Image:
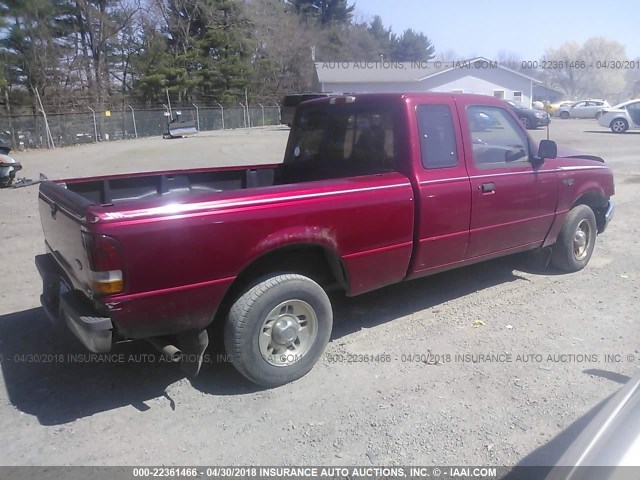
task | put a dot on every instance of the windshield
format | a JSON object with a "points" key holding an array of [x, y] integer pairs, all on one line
{"points": [[621, 106]]}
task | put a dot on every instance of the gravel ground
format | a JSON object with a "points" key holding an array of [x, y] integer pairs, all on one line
{"points": [[557, 329]]}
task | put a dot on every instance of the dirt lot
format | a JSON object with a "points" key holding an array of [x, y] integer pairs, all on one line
{"points": [[72, 412]]}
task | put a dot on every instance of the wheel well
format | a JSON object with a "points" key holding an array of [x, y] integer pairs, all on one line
{"points": [[597, 202], [313, 261]]}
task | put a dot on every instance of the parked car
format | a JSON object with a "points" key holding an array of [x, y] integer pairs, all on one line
{"points": [[530, 118], [621, 117], [291, 102], [610, 441], [583, 109], [374, 189], [552, 108], [5, 140], [8, 165]]}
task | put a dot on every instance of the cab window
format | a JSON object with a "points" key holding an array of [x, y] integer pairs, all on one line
{"points": [[497, 142], [437, 136]]}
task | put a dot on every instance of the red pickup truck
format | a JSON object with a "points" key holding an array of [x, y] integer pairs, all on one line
{"points": [[374, 189]]}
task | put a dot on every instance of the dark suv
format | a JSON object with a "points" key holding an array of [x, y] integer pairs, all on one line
{"points": [[530, 118]]}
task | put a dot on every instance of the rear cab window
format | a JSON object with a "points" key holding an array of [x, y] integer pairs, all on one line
{"points": [[332, 141]]}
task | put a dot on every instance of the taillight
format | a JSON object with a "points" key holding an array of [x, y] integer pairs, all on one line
{"points": [[105, 262]]}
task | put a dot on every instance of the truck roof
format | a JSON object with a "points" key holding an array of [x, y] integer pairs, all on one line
{"points": [[399, 96]]}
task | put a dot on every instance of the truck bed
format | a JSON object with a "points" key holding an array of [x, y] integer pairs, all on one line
{"points": [[124, 188]]}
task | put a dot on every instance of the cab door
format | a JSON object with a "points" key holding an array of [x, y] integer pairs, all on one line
{"points": [[443, 208], [512, 203]]}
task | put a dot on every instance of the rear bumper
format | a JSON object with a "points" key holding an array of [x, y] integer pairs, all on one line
{"points": [[65, 305]]}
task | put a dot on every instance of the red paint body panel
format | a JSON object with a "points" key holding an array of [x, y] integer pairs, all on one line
{"points": [[183, 244], [181, 254], [443, 206], [169, 311], [223, 235]]}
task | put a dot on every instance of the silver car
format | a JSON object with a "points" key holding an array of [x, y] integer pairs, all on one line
{"points": [[583, 109], [621, 117], [609, 445]]}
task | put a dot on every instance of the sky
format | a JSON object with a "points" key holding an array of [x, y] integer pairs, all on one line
{"points": [[527, 28]]}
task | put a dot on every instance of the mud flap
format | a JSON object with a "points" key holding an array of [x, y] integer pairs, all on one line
{"points": [[192, 345]]}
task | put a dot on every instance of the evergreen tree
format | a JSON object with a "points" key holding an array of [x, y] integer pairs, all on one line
{"points": [[382, 36], [209, 45], [28, 45], [327, 12], [412, 46]]}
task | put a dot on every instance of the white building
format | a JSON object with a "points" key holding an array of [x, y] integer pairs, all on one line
{"points": [[478, 75]]}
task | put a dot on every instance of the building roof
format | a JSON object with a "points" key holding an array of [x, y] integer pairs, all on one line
{"points": [[386, 71], [544, 88]]}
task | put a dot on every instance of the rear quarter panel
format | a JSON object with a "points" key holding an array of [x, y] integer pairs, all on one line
{"points": [[181, 258]]}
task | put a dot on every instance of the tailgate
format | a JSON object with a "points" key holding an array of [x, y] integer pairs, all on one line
{"points": [[62, 214]]}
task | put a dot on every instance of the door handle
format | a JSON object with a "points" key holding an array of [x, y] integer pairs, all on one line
{"points": [[487, 187]]}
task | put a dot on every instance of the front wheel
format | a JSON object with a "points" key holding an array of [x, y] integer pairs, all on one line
{"points": [[278, 329], [564, 115], [576, 241]]}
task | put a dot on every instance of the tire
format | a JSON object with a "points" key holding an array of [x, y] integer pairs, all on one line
{"points": [[564, 115], [619, 125], [598, 115], [576, 240], [298, 304]]}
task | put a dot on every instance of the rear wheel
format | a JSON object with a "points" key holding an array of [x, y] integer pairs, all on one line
{"points": [[277, 330], [564, 115], [619, 125], [576, 241]]}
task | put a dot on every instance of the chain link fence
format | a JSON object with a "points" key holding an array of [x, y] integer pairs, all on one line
{"points": [[30, 131]]}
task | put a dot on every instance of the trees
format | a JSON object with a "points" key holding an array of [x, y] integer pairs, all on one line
{"points": [[383, 36], [29, 46], [585, 72], [327, 12], [281, 56], [412, 46], [98, 23], [103, 53], [202, 50]]}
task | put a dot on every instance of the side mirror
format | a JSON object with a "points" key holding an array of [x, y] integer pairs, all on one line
{"points": [[547, 149]]}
